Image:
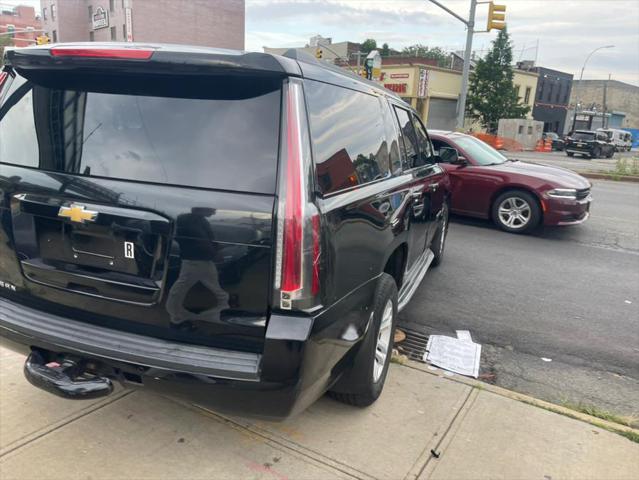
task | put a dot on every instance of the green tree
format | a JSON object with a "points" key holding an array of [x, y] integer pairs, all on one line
{"points": [[368, 45], [491, 93], [422, 51], [5, 41], [385, 50]]}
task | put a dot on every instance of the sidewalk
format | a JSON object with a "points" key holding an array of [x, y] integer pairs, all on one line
{"points": [[476, 433]]}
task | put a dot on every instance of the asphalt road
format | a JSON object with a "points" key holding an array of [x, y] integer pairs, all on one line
{"points": [[567, 294]]}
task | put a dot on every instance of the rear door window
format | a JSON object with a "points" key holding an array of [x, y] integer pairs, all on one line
{"points": [[214, 134], [426, 156], [409, 138], [350, 146]]}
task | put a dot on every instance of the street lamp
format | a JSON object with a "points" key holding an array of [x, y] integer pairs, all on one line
{"points": [[581, 75]]}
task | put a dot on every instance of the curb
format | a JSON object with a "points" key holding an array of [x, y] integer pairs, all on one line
{"points": [[520, 397], [610, 176]]}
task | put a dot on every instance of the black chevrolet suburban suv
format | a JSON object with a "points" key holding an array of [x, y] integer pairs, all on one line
{"points": [[590, 144], [237, 228]]}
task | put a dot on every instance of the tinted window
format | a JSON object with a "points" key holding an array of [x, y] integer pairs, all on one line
{"points": [[409, 139], [447, 153], [390, 125], [425, 148], [583, 136], [223, 136], [349, 137]]}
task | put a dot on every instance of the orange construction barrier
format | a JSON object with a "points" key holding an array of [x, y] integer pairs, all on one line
{"points": [[548, 145], [499, 143], [540, 146]]}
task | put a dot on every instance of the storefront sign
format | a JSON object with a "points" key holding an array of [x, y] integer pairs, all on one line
{"points": [[100, 18], [129, 24], [422, 88], [399, 75], [397, 87]]}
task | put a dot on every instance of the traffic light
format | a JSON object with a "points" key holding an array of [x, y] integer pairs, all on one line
{"points": [[42, 39], [496, 17], [318, 53]]}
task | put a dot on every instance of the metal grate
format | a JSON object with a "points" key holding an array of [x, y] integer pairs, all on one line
{"points": [[414, 346]]}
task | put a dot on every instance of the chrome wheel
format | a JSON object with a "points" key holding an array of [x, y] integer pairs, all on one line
{"points": [[514, 212], [383, 341]]}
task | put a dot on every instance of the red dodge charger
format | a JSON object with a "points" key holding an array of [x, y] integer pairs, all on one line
{"points": [[516, 195]]}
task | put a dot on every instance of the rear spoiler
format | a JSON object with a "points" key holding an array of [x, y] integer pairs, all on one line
{"points": [[146, 58]]}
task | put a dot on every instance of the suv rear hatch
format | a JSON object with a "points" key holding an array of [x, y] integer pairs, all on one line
{"points": [[137, 191]]}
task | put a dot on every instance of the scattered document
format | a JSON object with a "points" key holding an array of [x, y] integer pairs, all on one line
{"points": [[460, 355]]}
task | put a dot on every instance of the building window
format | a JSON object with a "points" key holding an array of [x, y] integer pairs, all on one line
{"points": [[517, 87], [55, 33], [530, 130], [53, 11], [11, 30], [520, 130], [124, 31], [44, 14], [91, 37], [527, 95], [113, 34], [540, 90], [111, 5], [90, 13]]}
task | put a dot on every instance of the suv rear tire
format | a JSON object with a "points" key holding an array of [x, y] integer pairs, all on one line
{"points": [[364, 383], [516, 211]]}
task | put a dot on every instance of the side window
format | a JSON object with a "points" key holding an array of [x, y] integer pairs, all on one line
{"points": [[390, 126], [349, 137], [409, 140], [447, 153], [425, 148]]}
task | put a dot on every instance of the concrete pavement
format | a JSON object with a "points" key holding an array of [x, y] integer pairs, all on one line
{"points": [[474, 432]]}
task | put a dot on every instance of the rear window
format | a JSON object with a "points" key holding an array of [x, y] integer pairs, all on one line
{"points": [[583, 136], [218, 133], [349, 137]]}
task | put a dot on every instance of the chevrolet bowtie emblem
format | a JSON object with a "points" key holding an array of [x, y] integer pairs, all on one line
{"points": [[77, 213]]}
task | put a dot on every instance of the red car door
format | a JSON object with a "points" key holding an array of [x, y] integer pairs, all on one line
{"points": [[472, 185]]}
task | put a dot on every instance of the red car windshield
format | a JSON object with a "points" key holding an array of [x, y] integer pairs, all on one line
{"points": [[479, 151]]}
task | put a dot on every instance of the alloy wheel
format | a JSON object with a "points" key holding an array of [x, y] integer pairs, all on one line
{"points": [[383, 341], [514, 212]]}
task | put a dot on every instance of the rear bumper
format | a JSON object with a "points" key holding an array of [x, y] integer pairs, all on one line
{"points": [[302, 356]]}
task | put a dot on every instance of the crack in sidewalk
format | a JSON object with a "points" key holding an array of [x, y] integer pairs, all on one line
{"points": [[38, 434]]}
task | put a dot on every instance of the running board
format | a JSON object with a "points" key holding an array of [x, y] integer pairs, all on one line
{"points": [[414, 278]]}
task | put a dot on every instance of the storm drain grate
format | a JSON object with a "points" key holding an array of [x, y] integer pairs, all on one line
{"points": [[414, 346]]}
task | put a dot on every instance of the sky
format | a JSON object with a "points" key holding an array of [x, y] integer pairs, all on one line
{"points": [[567, 30]]}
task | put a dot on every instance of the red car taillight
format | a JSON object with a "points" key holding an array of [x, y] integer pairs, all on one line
{"points": [[297, 281]]}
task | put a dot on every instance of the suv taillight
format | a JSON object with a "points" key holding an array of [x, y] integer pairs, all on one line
{"points": [[297, 269], [3, 79]]}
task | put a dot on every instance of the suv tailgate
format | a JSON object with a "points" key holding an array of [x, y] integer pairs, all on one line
{"points": [[142, 203]]}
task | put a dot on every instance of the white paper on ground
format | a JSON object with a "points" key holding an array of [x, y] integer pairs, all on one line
{"points": [[464, 335], [453, 354]]}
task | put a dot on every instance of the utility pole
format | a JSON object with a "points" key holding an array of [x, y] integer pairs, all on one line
{"points": [[578, 89], [470, 26], [461, 106], [604, 122]]}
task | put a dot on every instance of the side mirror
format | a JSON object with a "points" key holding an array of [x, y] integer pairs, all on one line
{"points": [[461, 161]]}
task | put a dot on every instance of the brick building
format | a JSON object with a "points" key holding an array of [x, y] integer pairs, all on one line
{"points": [[213, 23], [23, 21]]}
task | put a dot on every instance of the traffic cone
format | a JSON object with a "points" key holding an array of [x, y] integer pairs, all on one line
{"points": [[548, 145]]}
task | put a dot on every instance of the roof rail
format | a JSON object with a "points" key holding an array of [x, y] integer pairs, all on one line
{"points": [[301, 56]]}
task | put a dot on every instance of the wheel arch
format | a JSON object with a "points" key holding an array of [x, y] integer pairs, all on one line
{"points": [[514, 187], [395, 264]]}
